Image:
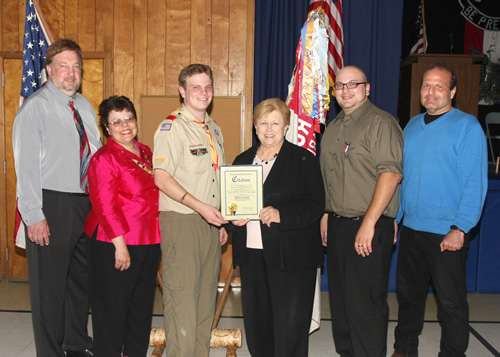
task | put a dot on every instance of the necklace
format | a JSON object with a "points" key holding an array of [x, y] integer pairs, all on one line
{"points": [[266, 161]]}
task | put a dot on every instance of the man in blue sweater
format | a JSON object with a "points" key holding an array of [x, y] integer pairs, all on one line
{"points": [[445, 166]]}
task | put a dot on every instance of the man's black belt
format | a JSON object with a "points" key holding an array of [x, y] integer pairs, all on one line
{"points": [[335, 215], [342, 217], [79, 194]]}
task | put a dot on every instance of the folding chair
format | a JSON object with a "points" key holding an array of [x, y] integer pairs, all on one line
{"points": [[492, 118]]}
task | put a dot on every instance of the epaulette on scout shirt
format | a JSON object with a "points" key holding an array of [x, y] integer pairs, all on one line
{"points": [[168, 125]]}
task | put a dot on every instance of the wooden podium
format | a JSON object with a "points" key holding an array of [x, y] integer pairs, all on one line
{"points": [[467, 69]]}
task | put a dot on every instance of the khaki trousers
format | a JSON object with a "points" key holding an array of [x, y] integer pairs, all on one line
{"points": [[190, 263]]}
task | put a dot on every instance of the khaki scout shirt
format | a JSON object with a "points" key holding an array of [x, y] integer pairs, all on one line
{"points": [[182, 149], [355, 150]]}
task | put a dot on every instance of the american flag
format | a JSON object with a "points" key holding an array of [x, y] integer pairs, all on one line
{"points": [[334, 26], [420, 44], [35, 44]]}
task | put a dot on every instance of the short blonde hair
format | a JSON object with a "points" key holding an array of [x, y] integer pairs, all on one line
{"points": [[270, 105]]}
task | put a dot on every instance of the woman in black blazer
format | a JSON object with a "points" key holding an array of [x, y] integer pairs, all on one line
{"points": [[279, 254]]}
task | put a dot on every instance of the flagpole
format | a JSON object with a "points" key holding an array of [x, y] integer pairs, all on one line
{"points": [[42, 20], [423, 24]]}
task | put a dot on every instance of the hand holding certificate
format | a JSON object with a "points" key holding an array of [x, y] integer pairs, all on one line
{"points": [[241, 191]]}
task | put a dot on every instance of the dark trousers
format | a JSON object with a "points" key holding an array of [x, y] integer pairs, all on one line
{"points": [[277, 308], [122, 301], [358, 287], [420, 260], [58, 277]]}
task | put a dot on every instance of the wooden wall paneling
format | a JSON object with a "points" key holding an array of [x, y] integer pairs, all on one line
{"points": [[69, 20], [17, 266], [108, 74], [123, 59], [87, 24], [10, 28], [156, 43], [1, 32], [104, 20], [178, 47], [12, 69], [140, 50], [3, 188], [238, 45], [105, 60], [220, 48], [240, 38], [104, 40], [92, 81], [201, 31], [20, 24], [55, 13]]}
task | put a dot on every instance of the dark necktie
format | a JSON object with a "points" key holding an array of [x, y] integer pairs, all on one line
{"points": [[84, 148]]}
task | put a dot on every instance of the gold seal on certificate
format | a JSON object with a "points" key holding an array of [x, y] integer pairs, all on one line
{"points": [[241, 191]]}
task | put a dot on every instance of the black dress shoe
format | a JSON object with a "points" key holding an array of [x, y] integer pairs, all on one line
{"points": [[397, 354], [83, 353]]}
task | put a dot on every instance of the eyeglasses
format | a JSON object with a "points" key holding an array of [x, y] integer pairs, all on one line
{"points": [[349, 85], [120, 122]]}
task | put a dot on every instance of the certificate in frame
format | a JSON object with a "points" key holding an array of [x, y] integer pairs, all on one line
{"points": [[241, 191]]}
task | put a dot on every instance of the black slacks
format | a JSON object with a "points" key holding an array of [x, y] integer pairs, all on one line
{"points": [[420, 260], [58, 275], [358, 287], [122, 301], [277, 308]]}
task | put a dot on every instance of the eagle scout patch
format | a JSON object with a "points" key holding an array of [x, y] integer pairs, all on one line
{"points": [[166, 127]]}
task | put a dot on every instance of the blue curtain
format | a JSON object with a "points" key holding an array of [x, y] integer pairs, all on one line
{"points": [[372, 41], [277, 33]]}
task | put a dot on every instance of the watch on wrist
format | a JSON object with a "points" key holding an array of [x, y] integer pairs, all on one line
{"points": [[455, 228]]}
